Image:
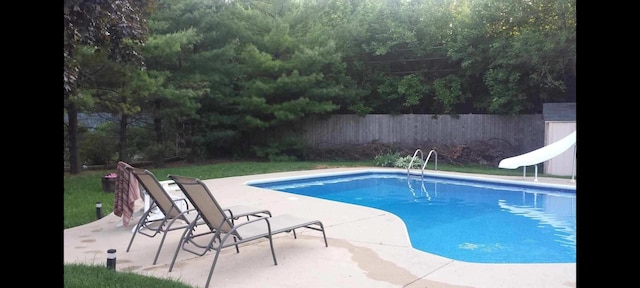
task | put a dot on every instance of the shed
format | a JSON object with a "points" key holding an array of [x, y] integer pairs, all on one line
{"points": [[559, 121]]}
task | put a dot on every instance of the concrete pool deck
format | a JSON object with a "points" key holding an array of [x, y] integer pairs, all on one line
{"points": [[367, 247]]}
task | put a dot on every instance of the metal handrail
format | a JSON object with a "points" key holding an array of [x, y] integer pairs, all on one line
{"points": [[423, 188], [414, 158], [427, 161]]}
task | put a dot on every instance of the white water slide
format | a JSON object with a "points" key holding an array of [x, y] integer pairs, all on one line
{"points": [[540, 155]]}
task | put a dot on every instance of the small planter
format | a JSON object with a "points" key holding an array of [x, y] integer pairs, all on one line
{"points": [[109, 182]]}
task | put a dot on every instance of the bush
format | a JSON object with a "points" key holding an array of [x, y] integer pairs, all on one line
{"points": [[99, 147], [388, 159], [403, 162], [393, 159], [281, 150]]}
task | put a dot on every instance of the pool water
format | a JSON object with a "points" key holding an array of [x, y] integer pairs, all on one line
{"points": [[463, 219]]}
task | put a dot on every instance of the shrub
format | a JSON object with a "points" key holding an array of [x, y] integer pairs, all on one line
{"points": [[386, 160], [98, 147], [403, 162], [281, 150]]}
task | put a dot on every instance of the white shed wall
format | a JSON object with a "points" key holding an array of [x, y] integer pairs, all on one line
{"points": [[563, 164]]}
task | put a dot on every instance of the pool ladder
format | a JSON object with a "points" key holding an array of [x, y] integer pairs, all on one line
{"points": [[424, 189], [425, 161]]}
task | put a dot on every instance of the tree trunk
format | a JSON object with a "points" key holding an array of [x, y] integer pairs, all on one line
{"points": [[122, 135], [74, 163], [157, 127]]}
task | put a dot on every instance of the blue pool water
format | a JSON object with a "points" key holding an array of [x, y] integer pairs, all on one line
{"points": [[471, 220]]}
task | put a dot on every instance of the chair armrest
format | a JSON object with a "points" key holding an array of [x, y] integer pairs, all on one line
{"points": [[186, 202]]}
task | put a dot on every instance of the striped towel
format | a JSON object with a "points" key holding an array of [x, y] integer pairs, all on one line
{"points": [[126, 193]]}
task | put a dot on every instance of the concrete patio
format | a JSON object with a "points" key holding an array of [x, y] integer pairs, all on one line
{"points": [[367, 248]]}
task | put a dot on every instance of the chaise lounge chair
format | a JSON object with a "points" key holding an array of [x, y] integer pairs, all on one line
{"points": [[221, 227], [174, 218]]}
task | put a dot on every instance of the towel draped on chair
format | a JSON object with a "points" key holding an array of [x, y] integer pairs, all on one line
{"points": [[127, 191]]}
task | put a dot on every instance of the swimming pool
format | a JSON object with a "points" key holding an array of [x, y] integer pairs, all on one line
{"points": [[466, 219]]}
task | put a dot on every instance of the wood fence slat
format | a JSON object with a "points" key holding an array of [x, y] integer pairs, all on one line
{"points": [[524, 132]]}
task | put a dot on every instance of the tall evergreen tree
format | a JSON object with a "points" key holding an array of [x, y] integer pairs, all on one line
{"points": [[116, 26]]}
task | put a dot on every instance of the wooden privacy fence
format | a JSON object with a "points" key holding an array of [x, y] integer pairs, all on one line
{"points": [[524, 132]]}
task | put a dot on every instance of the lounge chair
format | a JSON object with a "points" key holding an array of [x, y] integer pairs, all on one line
{"points": [[174, 218], [221, 227]]}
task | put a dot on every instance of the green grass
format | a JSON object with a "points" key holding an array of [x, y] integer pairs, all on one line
{"points": [[82, 191], [88, 276]]}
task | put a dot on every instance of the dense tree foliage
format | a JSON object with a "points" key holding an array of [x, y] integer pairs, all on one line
{"points": [[117, 27], [524, 54], [223, 78]]}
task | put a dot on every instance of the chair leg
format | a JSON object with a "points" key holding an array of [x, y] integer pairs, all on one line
{"points": [[324, 235], [236, 240], [213, 266], [273, 252], [134, 235], [182, 240], [164, 235], [139, 225]]}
